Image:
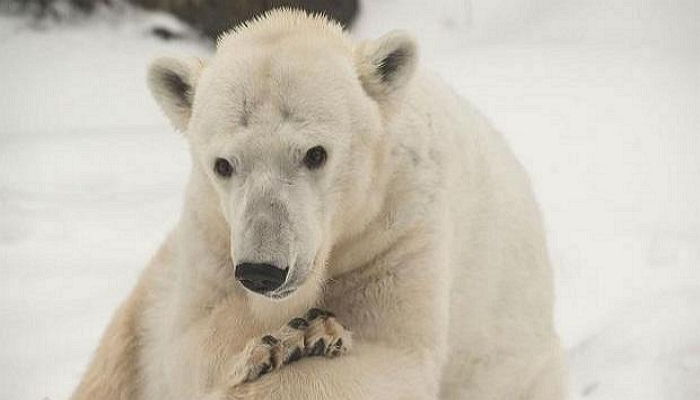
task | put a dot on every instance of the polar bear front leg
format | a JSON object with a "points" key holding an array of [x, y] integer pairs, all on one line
{"points": [[368, 372], [371, 369], [318, 333]]}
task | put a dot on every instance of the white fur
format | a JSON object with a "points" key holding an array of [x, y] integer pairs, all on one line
{"points": [[420, 233]]}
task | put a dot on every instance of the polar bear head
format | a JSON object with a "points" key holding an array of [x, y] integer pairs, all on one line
{"points": [[287, 124]]}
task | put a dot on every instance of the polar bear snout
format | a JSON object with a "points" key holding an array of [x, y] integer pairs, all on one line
{"points": [[271, 255], [260, 278]]}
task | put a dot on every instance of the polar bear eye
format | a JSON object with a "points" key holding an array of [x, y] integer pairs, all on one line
{"points": [[223, 168], [315, 157]]}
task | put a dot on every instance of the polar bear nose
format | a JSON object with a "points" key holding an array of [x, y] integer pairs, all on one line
{"points": [[260, 278]]}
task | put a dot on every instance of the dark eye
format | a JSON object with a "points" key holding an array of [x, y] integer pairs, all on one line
{"points": [[223, 168], [315, 157]]}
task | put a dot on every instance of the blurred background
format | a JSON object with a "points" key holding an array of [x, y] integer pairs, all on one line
{"points": [[598, 98]]}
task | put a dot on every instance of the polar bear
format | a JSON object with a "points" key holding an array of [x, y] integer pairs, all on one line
{"points": [[352, 229]]}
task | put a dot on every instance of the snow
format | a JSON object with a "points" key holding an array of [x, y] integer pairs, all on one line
{"points": [[599, 99]]}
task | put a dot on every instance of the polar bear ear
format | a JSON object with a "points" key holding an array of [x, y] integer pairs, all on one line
{"points": [[172, 82], [386, 65]]}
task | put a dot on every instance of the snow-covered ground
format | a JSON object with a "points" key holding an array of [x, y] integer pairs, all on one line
{"points": [[600, 100]]}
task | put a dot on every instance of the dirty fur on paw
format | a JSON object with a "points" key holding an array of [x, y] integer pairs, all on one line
{"points": [[325, 336], [260, 358], [317, 334]]}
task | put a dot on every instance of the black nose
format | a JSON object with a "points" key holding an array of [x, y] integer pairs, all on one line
{"points": [[260, 278]]}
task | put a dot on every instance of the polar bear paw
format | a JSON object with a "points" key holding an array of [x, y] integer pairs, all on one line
{"points": [[317, 334]]}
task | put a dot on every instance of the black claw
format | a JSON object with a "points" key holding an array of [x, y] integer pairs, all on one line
{"points": [[295, 356], [270, 340], [314, 313], [273, 358], [318, 348], [298, 323], [265, 369], [317, 312]]}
